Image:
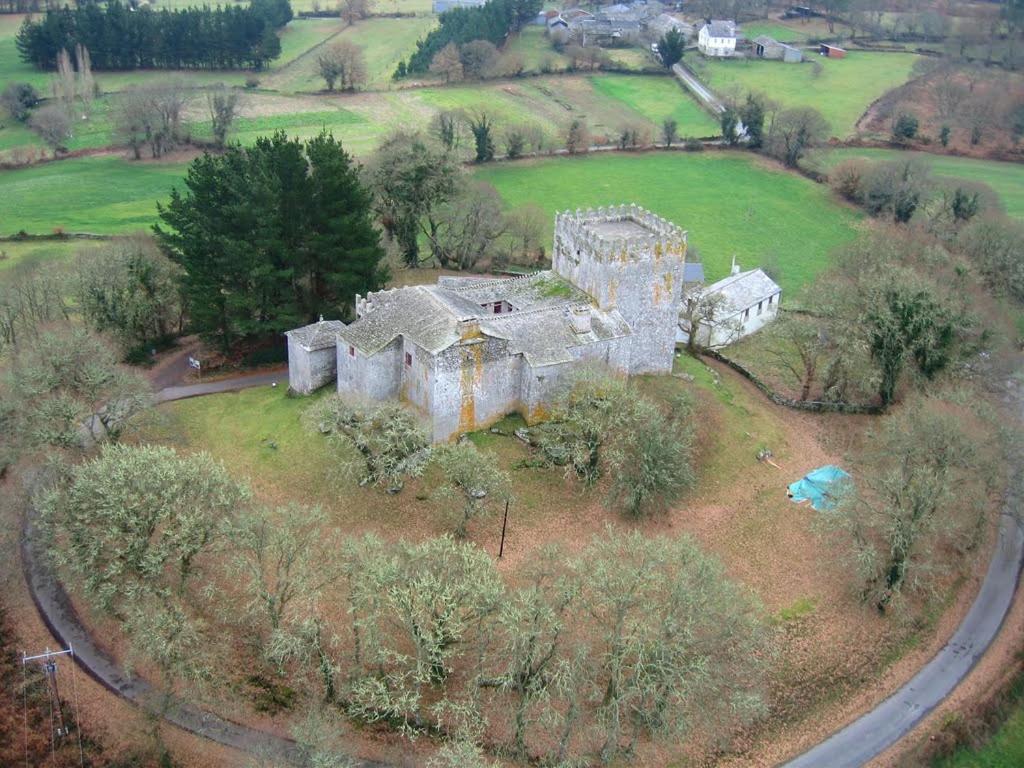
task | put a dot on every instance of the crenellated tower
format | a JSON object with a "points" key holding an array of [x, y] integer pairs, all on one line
{"points": [[629, 259]]}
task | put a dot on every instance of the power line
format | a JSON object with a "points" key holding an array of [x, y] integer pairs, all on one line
{"points": [[47, 662]]}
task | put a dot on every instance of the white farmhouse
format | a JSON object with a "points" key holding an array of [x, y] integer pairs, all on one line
{"points": [[717, 38], [730, 309]]}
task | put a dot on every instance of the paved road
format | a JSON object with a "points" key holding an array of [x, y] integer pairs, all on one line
{"points": [[201, 388], [873, 733], [698, 89], [855, 745]]}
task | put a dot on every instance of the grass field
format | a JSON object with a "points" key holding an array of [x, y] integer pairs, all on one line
{"points": [[94, 194], [533, 45], [841, 92], [1005, 179], [731, 204], [781, 32], [31, 254], [384, 42], [654, 97], [1004, 750]]}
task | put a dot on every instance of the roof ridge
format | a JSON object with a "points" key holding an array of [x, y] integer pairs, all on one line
{"points": [[486, 282], [536, 310]]}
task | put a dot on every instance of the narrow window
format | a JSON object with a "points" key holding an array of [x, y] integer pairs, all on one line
{"points": [[408, 358], [770, 300], [759, 307], [351, 351], [497, 308], [746, 313]]}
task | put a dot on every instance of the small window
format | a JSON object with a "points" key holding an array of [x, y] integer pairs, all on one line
{"points": [[746, 314], [408, 358], [497, 308], [770, 298], [759, 307], [351, 351]]}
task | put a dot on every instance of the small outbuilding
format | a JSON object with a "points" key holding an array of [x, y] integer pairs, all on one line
{"points": [[831, 51], [734, 307], [312, 356], [769, 48]]}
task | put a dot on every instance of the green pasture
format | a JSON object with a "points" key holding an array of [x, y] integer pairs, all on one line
{"points": [[90, 194], [533, 45], [29, 254], [842, 91], [384, 42], [731, 204], [781, 32], [1004, 750], [657, 98], [1005, 179]]}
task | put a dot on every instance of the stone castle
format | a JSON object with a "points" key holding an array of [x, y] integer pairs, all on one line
{"points": [[468, 351]]}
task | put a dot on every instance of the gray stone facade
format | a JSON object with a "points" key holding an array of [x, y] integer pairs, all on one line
{"points": [[468, 351]]}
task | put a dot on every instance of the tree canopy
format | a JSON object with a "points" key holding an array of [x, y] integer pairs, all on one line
{"points": [[121, 37], [270, 237]]}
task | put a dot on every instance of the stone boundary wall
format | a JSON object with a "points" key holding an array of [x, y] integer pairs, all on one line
{"points": [[812, 406]]}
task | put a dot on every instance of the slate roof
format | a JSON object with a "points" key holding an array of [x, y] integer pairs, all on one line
{"points": [[539, 327], [545, 336], [721, 28], [319, 335], [693, 273], [540, 289], [411, 312], [743, 290]]}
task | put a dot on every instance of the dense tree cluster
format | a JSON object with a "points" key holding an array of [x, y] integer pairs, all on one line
{"points": [[120, 37], [491, 22], [582, 657], [270, 237]]}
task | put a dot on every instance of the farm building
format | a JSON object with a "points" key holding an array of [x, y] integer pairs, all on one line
{"points": [[769, 48], [656, 27], [831, 51], [467, 351], [732, 308], [717, 38], [440, 6], [558, 30]]}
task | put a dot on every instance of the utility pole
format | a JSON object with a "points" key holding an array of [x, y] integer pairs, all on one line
{"points": [[59, 729], [504, 524]]}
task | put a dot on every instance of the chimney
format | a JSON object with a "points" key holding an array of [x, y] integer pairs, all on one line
{"points": [[579, 318], [735, 267]]}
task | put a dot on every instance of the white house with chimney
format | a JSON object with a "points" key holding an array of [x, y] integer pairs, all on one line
{"points": [[717, 38], [734, 307]]}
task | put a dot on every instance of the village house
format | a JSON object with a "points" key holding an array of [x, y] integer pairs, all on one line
{"points": [[717, 38], [732, 308], [467, 351]]}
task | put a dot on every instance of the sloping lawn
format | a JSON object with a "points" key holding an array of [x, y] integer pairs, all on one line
{"points": [[1005, 179], [93, 194], [658, 98], [842, 91], [731, 204]]}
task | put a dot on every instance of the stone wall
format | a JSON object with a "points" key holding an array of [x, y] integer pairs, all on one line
{"points": [[641, 275], [377, 376], [475, 383], [308, 370]]}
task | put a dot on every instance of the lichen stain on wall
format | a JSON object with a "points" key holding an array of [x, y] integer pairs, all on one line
{"points": [[471, 374]]}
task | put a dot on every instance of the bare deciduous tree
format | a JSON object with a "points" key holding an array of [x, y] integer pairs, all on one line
{"points": [[223, 105], [53, 126], [448, 62], [343, 63]]}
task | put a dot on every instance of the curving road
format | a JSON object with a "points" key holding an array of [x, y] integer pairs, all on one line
{"points": [[856, 744], [873, 733]]}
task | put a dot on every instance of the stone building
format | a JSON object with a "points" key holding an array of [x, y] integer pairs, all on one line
{"points": [[467, 351], [734, 307], [717, 38], [765, 47]]}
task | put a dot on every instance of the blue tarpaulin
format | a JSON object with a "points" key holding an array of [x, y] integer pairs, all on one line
{"points": [[820, 486]]}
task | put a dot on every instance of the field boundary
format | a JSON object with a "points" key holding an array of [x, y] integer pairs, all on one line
{"points": [[811, 406]]}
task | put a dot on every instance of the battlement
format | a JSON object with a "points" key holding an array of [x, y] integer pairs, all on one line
{"points": [[618, 233]]}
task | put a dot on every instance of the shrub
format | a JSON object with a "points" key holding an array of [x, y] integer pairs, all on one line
{"points": [[905, 127]]}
